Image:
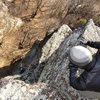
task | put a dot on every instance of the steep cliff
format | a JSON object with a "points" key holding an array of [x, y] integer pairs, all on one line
{"points": [[46, 77], [45, 61]]}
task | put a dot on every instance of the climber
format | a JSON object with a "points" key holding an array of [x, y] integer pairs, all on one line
{"points": [[80, 57]]}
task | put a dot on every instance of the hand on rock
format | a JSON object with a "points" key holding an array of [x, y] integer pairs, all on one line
{"points": [[83, 41]]}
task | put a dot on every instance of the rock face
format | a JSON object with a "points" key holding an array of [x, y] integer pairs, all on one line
{"points": [[21, 90], [94, 33], [82, 10], [24, 21], [50, 63], [21, 23], [8, 25]]}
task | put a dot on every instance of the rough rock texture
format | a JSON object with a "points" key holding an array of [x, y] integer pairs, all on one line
{"points": [[24, 21], [20, 25], [53, 81], [20, 90], [94, 33], [8, 26]]}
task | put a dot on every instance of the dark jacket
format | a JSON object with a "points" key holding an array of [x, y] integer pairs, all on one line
{"points": [[90, 78]]}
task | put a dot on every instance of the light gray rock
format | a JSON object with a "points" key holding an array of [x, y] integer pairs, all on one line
{"points": [[91, 33], [19, 90], [7, 23]]}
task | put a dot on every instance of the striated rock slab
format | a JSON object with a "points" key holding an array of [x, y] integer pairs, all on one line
{"points": [[54, 42]]}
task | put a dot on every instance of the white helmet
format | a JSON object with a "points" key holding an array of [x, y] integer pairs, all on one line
{"points": [[80, 56]]}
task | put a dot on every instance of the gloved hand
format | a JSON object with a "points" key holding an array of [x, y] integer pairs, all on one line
{"points": [[83, 41]]}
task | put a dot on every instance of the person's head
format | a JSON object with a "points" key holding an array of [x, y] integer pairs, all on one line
{"points": [[80, 56]]}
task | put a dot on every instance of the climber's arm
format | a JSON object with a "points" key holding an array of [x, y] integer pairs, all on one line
{"points": [[77, 83], [93, 44], [90, 43]]}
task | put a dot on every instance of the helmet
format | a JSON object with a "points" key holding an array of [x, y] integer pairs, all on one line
{"points": [[80, 56]]}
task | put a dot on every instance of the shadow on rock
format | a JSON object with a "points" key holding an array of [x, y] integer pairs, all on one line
{"points": [[29, 67]]}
